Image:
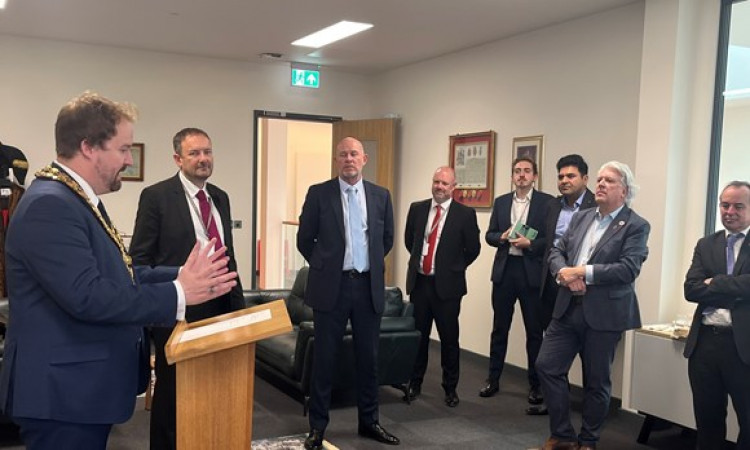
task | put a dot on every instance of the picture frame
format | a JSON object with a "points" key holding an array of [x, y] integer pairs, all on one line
{"points": [[472, 156], [533, 148], [135, 172]]}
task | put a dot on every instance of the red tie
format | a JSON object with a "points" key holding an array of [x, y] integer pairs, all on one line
{"points": [[427, 262], [208, 223]]}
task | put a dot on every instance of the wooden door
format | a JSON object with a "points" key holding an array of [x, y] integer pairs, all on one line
{"points": [[378, 136]]}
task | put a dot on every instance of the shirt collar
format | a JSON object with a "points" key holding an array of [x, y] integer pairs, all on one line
{"points": [[611, 215], [528, 196], [744, 232], [190, 189], [577, 204], [445, 205], [87, 189], [343, 185]]}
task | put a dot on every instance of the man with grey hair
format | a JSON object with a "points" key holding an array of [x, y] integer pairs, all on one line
{"points": [[595, 263], [718, 346]]}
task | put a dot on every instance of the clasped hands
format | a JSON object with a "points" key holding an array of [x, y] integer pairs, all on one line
{"points": [[205, 275], [573, 279]]}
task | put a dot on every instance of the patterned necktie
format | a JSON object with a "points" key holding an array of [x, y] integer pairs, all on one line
{"points": [[356, 230], [731, 240], [208, 223], [431, 241]]}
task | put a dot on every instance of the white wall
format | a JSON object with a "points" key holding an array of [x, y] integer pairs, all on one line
{"points": [[632, 84], [171, 92], [576, 83]]}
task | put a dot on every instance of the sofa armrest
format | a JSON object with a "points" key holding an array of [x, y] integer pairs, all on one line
{"points": [[408, 310]]}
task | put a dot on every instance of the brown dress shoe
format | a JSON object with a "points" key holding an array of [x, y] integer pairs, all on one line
{"points": [[556, 444]]}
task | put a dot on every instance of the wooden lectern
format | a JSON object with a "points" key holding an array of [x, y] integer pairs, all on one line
{"points": [[215, 375]]}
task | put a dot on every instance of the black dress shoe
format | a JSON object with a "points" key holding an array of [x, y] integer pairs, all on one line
{"points": [[537, 410], [378, 433], [535, 396], [314, 440], [492, 388], [412, 391], [451, 399]]}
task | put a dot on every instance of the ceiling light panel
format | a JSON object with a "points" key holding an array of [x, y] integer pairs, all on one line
{"points": [[334, 33]]}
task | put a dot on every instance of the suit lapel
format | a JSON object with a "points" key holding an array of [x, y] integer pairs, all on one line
{"points": [[226, 221], [742, 258], [421, 224], [617, 224], [181, 202], [577, 240], [338, 209]]}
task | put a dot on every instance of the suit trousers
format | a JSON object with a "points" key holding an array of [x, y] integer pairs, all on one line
{"points": [[547, 301], [566, 337], [354, 304], [38, 434], [428, 306], [514, 285], [716, 373]]}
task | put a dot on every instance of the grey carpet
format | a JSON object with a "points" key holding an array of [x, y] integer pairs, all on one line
{"points": [[496, 423]]}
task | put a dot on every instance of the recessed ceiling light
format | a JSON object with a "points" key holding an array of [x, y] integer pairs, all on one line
{"points": [[333, 33], [2, 4]]}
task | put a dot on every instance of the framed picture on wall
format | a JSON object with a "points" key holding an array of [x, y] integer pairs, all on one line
{"points": [[472, 156], [135, 172], [531, 147]]}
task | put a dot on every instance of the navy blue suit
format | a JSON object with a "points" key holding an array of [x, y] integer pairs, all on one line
{"points": [[336, 298], [516, 277], [74, 339], [591, 325]]}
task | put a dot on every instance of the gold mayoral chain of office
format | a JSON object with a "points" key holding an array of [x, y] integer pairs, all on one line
{"points": [[55, 174]]}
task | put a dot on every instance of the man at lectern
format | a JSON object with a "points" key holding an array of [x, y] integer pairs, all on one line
{"points": [[345, 231], [77, 304], [172, 216]]}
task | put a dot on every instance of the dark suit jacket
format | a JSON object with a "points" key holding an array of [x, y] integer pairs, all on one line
{"points": [[610, 303], [550, 225], [72, 348], [321, 240], [500, 222], [164, 232], [725, 291], [458, 247]]}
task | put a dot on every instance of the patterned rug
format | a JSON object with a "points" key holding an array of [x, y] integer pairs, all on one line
{"points": [[296, 442]]}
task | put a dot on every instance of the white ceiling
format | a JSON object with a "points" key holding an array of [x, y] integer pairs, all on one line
{"points": [[405, 31]]}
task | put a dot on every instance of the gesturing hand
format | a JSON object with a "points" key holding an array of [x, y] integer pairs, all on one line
{"points": [[205, 276]]}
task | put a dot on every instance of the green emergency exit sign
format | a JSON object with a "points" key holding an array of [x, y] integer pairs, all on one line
{"points": [[306, 78]]}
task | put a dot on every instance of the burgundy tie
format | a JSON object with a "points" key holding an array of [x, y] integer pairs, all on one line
{"points": [[427, 261], [208, 222]]}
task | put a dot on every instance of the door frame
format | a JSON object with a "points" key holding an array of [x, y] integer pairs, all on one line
{"points": [[259, 114]]}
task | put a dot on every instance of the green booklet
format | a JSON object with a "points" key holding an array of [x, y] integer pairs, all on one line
{"points": [[521, 229]]}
